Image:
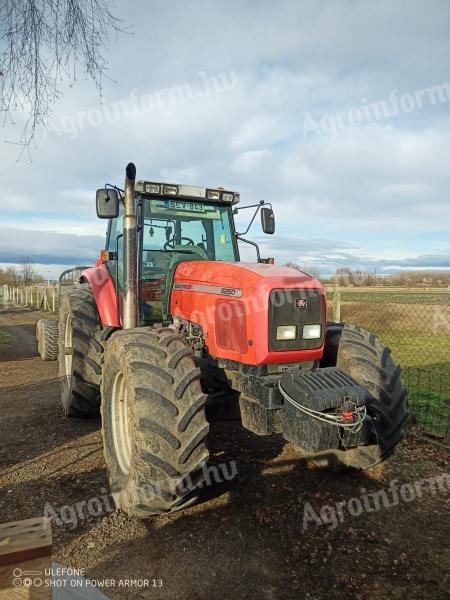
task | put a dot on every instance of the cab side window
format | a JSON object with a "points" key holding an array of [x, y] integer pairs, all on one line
{"points": [[116, 229]]}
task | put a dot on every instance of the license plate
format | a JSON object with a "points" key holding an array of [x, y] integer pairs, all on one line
{"points": [[185, 205]]}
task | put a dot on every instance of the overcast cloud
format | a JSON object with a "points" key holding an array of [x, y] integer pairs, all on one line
{"points": [[372, 194]]}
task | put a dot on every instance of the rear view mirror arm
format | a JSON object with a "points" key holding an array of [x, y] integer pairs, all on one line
{"points": [[258, 206], [114, 187], [238, 236]]}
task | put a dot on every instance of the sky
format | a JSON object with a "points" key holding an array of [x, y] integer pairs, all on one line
{"points": [[338, 113]]}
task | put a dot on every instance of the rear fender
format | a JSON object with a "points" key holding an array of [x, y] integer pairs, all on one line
{"points": [[104, 292]]}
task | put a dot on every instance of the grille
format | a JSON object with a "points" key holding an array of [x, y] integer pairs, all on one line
{"points": [[295, 307]]}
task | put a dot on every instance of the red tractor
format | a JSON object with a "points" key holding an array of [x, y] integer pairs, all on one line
{"points": [[169, 320]]}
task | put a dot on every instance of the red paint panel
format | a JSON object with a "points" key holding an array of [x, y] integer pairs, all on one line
{"points": [[104, 292], [256, 282], [231, 325]]}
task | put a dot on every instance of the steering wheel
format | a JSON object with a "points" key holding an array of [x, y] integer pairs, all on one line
{"points": [[170, 244]]}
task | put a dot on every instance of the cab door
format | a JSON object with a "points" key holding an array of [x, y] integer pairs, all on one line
{"points": [[114, 244]]}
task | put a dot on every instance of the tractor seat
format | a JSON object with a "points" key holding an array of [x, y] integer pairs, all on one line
{"points": [[156, 260]]}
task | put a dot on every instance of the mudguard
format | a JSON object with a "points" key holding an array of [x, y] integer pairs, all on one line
{"points": [[104, 292]]}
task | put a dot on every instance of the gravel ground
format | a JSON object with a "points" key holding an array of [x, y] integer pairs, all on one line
{"points": [[247, 538]]}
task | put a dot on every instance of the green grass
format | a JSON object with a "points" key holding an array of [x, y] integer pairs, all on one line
{"points": [[429, 399], [5, 338]]}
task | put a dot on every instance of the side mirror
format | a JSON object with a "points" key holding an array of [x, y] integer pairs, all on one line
{"points": [[107, 201], [267, 220]]}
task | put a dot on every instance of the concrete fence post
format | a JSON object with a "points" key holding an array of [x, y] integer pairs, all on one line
{"points": [[337, 304]]}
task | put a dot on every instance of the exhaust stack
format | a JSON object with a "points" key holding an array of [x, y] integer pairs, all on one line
{"points": [[130, 284]]}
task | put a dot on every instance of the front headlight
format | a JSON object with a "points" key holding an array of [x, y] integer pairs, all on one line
{"points": [[312, 332], [286, 332]]}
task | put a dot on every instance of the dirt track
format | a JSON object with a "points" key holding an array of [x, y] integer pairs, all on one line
{"points": [[246, 540]]}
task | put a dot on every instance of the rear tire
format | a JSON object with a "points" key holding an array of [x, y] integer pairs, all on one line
{"points": [[362, 355], [154, 424], [47, 338], [80, 353]]}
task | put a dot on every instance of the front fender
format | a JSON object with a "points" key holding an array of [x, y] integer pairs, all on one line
{"points": [[104, 291]]}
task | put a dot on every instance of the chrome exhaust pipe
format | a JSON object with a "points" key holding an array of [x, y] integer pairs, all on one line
{"points": [[130, 282]]}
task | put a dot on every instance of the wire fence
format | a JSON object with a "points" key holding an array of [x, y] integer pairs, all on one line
{"points": [[429, 399], [414, 323]]}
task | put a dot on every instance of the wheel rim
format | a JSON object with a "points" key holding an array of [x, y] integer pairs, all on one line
{"points": [[120, 424], [68, 347]]}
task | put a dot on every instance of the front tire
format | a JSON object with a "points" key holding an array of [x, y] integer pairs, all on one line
{"points": [[154, 423], [363, 356]]}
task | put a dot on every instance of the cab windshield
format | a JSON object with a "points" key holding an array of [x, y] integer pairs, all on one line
{"points": [[176, 226]]}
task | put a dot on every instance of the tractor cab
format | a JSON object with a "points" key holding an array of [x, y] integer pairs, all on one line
{"points": [[175, 223], [176, 229]]}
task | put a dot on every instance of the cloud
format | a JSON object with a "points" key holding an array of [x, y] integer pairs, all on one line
{"points": [[379, 188], [48, 247]]}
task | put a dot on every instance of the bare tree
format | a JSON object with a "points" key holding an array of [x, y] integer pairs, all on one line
{"points": [[27, 270], [43, 42], [293, 266], [312, 270], [13, 277]]}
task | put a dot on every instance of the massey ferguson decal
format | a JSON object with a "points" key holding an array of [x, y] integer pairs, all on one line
{"points": [[301, 303]]}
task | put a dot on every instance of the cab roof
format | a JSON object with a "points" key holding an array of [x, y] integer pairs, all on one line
{"points": [[176, 190]]}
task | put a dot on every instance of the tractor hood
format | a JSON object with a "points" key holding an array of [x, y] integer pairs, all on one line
{"points": [[241, 306], [242, 275]]}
